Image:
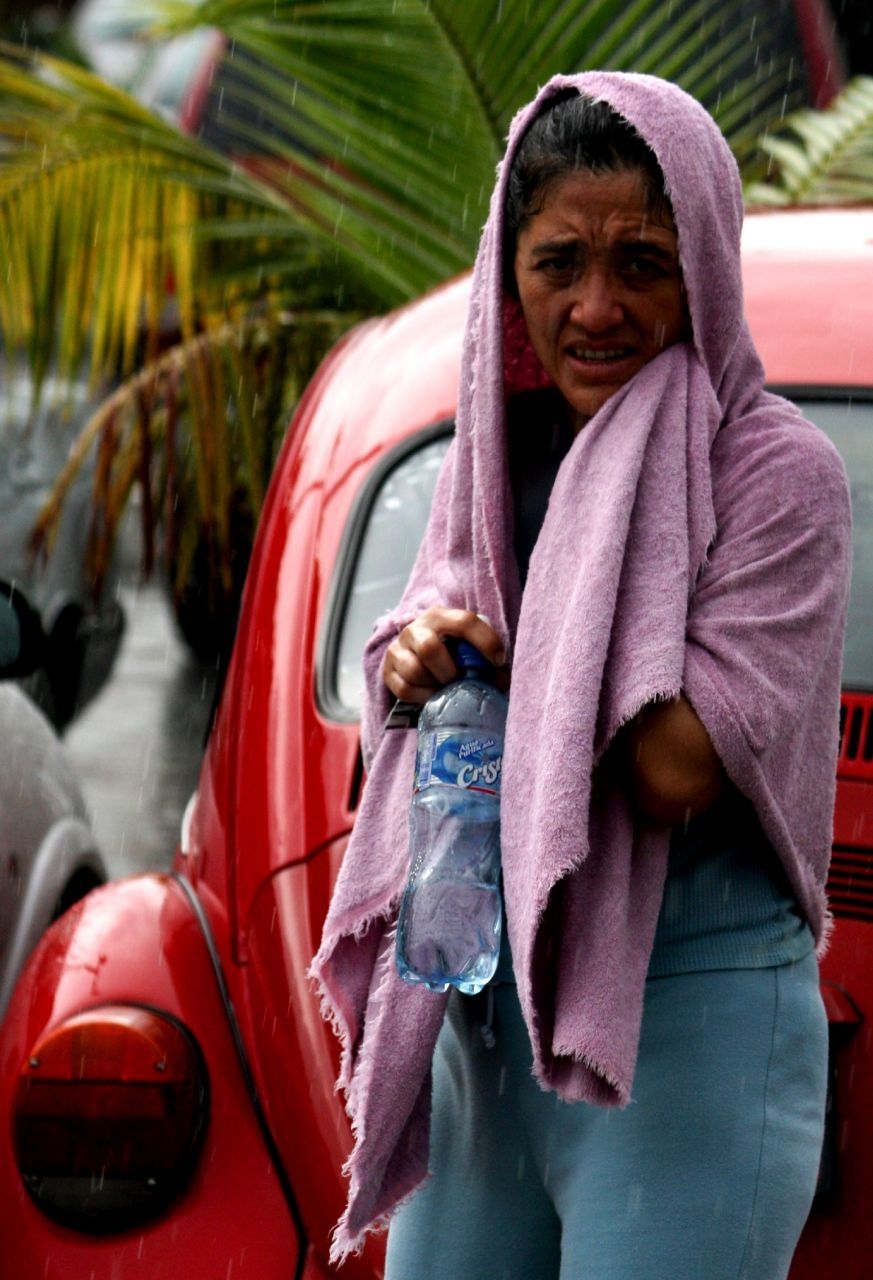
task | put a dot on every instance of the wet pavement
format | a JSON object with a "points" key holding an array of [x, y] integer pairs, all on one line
{"points": [[137, 747]]}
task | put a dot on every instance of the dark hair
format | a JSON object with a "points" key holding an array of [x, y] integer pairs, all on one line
{"points": [[573, 133]]}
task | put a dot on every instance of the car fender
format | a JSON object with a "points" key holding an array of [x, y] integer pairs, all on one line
{"points": [[66, 857], [147, 941]]}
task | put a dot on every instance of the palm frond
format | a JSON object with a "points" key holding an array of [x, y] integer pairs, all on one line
{"points": [[197, 430], [820, 157], [108, 212], [367, 131], [381, 121]]}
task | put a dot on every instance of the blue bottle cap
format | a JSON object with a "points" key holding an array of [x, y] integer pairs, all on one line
{"points": [[468, 657]]}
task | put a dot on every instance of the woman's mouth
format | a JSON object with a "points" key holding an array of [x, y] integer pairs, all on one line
{"points": [[591, 355]]}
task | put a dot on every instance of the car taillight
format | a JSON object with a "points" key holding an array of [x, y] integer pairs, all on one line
{"points": [[109, 1115]]}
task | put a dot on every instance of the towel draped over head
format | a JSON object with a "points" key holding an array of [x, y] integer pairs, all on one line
{"points": [[697, 539]]}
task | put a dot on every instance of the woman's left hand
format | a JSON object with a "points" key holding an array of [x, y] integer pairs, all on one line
{"points": [[417, 662]]}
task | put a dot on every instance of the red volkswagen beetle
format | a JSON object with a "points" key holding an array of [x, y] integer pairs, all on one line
{"points": [[166, 1081]]}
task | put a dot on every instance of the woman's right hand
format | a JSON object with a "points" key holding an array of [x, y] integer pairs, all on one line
{"points": [[417, 662]]}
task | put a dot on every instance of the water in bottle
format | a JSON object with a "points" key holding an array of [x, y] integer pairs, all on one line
{"points": [[448, 933]]}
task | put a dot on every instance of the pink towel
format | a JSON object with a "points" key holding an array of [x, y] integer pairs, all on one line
{"points": [[697, 539]]}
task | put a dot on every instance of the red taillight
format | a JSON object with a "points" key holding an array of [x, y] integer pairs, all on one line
{"points": [[109, 1114]]}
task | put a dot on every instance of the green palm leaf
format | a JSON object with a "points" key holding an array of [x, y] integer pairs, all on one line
{"points": [[102, 204], [821, 157]]}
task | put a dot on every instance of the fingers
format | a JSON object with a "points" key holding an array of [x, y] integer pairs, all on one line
{"points": [[418, 662]]}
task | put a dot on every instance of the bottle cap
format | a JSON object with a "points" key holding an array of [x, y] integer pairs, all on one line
{"points": [[468, 657]]}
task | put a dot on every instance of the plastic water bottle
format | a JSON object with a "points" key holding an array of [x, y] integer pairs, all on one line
{"points": [[448, 933]]}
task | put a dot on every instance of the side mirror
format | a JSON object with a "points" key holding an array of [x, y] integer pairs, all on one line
{"points": [[22, 640]]}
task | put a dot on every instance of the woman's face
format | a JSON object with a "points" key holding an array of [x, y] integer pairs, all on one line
{"points": [[600, 284]]}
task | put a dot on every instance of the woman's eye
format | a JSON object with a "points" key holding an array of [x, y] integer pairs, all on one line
{"points": [[645, 268], [560, 264], [641, 266]]}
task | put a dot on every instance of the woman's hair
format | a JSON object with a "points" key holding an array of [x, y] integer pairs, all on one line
{"points": [[573, 133]]}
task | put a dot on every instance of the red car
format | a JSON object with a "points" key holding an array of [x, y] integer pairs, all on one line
{"points": [[166, 1080]]}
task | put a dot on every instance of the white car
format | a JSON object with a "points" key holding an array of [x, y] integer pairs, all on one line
{"points": [[115, 38], [48, 856], [83, 634]]}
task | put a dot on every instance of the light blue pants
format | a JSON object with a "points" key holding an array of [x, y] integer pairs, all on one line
{"points": [[708, 1175]]}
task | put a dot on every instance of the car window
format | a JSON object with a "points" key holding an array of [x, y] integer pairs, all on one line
{"points": [[391, 517], [387, 530], [849, 423]]}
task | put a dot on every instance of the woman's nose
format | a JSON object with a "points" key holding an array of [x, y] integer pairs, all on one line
{"points": [[596, 302]]}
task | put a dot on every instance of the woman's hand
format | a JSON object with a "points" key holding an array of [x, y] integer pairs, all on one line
{"points": [[675, 772], [418, 662]]}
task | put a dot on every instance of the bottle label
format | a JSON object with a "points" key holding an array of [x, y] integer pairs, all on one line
{"points": [[465, 758]]}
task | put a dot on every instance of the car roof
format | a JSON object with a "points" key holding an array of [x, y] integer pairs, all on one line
{"points": [[808, 278]]}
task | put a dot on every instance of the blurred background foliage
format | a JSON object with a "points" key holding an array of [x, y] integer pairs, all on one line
{"points": [[262, 174], [43, 24]]}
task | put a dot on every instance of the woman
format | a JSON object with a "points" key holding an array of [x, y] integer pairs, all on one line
{"points": [[659, 549]]}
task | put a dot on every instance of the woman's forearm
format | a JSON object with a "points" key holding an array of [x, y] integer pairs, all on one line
{"points": [[674, 770]]}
